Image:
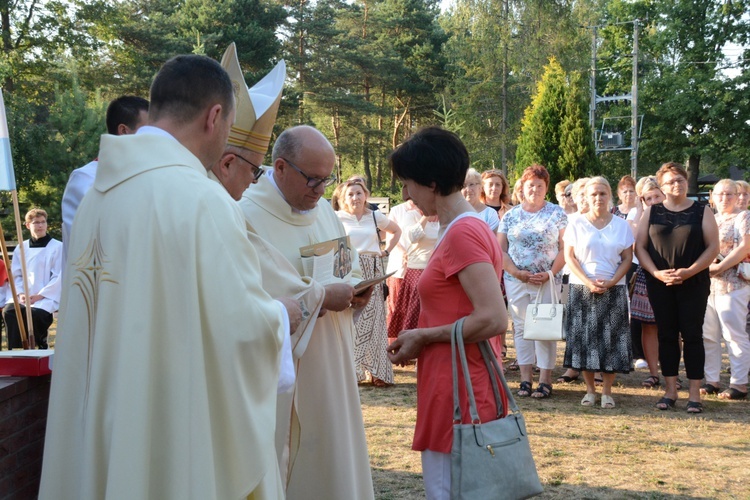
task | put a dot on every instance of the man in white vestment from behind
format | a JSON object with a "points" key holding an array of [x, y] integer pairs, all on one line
{"points": [[125, 115], [159, 388]]}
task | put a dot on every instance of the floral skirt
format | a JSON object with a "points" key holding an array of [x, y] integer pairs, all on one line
{"points": [[640, 306], [598, 330]]}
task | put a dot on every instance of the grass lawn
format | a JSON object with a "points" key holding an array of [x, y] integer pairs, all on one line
{"points": [[631, 451]]}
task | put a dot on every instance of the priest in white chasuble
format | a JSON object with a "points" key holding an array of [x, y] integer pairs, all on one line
{"points": [[159, 388], [325, 451]]}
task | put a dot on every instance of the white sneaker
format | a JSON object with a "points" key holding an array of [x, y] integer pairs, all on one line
{"points": [[640, 364]]}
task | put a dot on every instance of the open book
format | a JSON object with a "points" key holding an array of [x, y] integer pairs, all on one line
{"points": [[329, 261]]}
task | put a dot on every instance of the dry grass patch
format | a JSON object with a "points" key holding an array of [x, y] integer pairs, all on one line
{"points": [[631, 451]]}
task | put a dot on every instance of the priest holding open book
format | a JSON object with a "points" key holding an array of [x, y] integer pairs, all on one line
{"points": [[326, 455]]}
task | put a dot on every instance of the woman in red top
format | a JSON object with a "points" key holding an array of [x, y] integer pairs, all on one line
{"points": [[432, 164]]}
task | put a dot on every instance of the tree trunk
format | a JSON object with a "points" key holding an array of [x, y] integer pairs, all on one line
{"points": [[300, 62], [336, 125], [398, 121], [366, 155], [693, 169], [6, 40], [379, 162]]}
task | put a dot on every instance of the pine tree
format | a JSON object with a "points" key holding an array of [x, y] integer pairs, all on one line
{"points": [[555, 131], [539, 141]]}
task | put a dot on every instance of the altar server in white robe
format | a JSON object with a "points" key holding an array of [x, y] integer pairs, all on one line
{"points": [[325, 444], [43, 264], [159, 388], [124, 116]]}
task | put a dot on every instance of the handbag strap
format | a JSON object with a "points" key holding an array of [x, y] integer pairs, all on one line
{"points": [[377, 229], [553, 288], [491, 360], [377, 239], [457, 344]]}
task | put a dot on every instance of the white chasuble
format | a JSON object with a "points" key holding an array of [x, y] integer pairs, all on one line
{"points": [[320, 433], [160, 389]]}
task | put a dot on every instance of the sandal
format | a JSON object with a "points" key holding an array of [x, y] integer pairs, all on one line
{"points": [[651, 382], [513, 367], [524, 390], [566, 379], [732, 393], [542, 391], [376, 382], [598, 381], [607, 402], [694, 407], [589, 399], [709, 389], [679, 384], [665, 404]]}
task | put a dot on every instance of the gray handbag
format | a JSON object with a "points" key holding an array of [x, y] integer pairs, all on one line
{"points": [[490, 460]]}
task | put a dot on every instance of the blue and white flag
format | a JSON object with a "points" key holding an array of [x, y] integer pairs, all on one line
{"points": [[7, 175]]}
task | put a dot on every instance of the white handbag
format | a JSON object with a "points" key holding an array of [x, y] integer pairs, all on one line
{"points": [[545, 321]]}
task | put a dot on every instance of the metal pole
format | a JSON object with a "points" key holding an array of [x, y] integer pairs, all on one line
{"points": [[503, 124], [592, 85], [634, 106]]}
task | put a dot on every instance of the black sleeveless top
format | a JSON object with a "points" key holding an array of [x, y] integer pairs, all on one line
{"points": [[675, 239]]}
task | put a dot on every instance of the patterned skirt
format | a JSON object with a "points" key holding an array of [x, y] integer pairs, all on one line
{"points": [[405, 314], [370, 341], [640, 306], [598, 330]]}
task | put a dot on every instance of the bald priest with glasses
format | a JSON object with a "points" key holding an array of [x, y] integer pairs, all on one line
{"points": [[325, 455]]}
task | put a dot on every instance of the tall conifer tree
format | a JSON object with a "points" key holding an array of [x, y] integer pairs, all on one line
{"points": [[539, 141]]}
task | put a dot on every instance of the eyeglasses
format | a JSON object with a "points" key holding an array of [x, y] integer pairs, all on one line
{"points": [[258, 170], [312, 182], [470, 185], [676, 180], [724, 195]]}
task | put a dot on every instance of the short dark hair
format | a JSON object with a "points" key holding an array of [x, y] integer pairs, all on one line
{"points": [[673, 167], [125, 110], [188, 84], [432, 155]]}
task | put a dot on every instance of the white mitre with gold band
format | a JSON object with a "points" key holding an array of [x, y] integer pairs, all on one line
{"points": [[256, 106]]}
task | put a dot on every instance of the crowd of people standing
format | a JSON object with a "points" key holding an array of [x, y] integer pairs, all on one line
{"points": [[649, 277]]}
